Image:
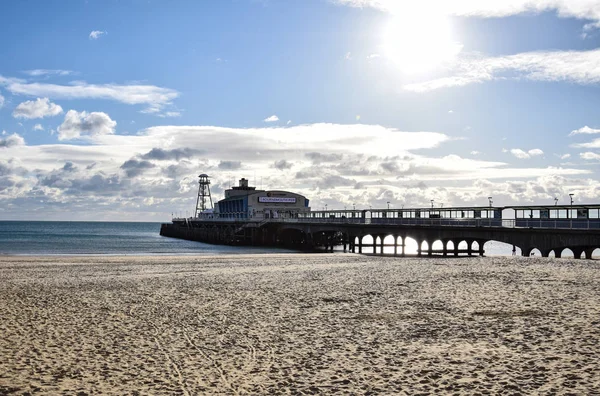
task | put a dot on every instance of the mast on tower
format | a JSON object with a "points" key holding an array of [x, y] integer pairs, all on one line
{"points": [[203, 195]]}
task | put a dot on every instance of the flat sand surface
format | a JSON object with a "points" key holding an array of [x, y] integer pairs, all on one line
{"points": [[299, 324]]}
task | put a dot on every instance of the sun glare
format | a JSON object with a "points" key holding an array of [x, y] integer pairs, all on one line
{"points": [[419, 43]]}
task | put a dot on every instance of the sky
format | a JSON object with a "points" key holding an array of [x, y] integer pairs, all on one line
{"points": [[109, 110]]}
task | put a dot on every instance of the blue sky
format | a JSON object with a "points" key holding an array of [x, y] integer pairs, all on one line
{"points": [[110, 109]]}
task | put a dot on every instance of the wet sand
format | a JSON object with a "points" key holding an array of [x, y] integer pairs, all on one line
{"points": [[299, 324]]}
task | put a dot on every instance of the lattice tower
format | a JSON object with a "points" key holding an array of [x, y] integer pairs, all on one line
{"points": [[203, 195]]}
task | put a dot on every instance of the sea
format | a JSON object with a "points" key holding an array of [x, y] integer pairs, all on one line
{"points": [[132, 238], [103, 238]]}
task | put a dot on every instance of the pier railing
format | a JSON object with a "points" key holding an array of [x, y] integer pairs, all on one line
{"points": [[438, 222]]}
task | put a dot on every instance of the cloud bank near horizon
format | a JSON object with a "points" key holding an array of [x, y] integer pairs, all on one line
{"points": [[155, 170]]}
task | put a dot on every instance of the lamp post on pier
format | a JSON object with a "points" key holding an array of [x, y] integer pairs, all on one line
{"points": [[490, 201], [388, 202], [570, 210]]}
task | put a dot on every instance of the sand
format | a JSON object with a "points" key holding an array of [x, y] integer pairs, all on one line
{"points": [[299, 324]]}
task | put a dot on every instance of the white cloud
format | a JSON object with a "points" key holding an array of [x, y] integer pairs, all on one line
{"points": [[590, 156], [95, 34], [519, 153], [580, 67], [289, 122], [93, 124], [535, 152], [1, 101], [580, 9], [338, 164], [475, 152], [38, 127], [169, 114], [450, 111], [584, 130], [155, 97], [47, 72], [368, 139], [593, 144], [526, 154], [40, 108], [273, 118], [11, 141], [348, 56], [565, 156]]}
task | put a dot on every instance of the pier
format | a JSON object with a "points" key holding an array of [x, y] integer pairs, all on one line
{"points": [[322, 230], [252, 217]]}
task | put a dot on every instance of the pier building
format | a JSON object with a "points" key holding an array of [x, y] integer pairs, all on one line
{"points": [[246, 202]]}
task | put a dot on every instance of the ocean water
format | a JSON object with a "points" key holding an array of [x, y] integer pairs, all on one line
{"points": [[117, 238], [114, 238]]}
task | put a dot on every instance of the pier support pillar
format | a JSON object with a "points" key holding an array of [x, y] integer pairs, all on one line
{"points": [[589, 252], [577, 252], [395, 245], [360, 245], [310, 241], [374, 244], [429, 248], [382, 238], [456, 243], [557, 253], [481, 244]]}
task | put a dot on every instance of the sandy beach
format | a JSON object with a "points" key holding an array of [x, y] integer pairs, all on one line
{"points": [[299, 324]]}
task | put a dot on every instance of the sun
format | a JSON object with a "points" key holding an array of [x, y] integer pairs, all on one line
{"points": [[419, 43]]}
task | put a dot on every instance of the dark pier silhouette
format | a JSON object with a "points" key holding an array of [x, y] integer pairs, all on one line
{"points": [[550, 229]]}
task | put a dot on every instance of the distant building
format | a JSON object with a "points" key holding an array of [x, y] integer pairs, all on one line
{"points": [[245, 202]]}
